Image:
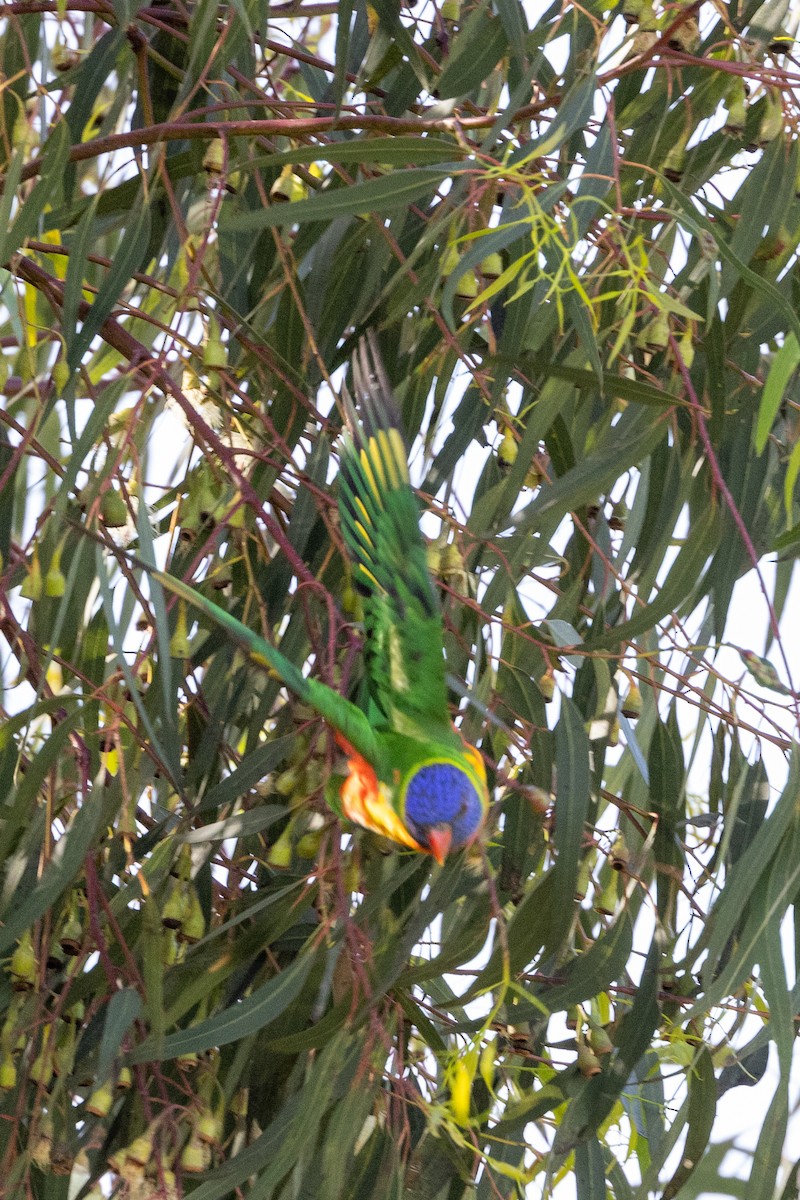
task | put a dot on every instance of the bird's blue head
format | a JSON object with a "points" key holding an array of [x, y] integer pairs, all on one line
{"points": [[443, 807]]}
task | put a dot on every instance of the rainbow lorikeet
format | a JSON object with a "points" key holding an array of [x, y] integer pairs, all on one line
{"points": [[411, 776]]}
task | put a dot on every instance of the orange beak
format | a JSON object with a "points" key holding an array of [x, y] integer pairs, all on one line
{"points": [[439, 841]]}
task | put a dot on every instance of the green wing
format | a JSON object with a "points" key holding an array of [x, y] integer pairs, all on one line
{"points": [[380, 523], [333, 708]]}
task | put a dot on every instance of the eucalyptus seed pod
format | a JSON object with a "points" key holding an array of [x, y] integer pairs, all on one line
{"points": [[781, 42], [214, 157], [140, 1151], [546, 684], [599, 1041], [467, 286], [179, 644], [620, 855], [492, 266], [13, 1037], [736, 104], [41, 1069], [288, 187], [308, 845], [100, 1101], [606, 901], [632, 703], [351, 603], [280, 852], [23, 966], [174, 910], [33, 584], [588, 1062], [655, 335], [113, 510], [453, 569], [8, 1072], [686, 348], [64, 1049], [773, 120], [584, 876], [60, 375], [172, 950], [686, 36], [210, 1127], [619, 515], [55, 583], [631, 10], [507, 451], [193, 926], [195, 1156], [70, 937], [215, 354], [674, 164]]}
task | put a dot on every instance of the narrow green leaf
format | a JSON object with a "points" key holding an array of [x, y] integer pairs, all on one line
{"points": [[46, 189], [594, 971], [781, 368], [268, 1158], [391, 191], [252, 768], [702, 1111], [748, 871], [571, 808], [590, 1171], [478, 48], [770, 1147], [81, 243], [597, 1096], [792, 471], [627, 443], [21, 802], [667, 796], [399, 151], [127, 258], [689, 216], [65, 864], [122, 1010], [241, 1019], [678, 587], [7, 197]]}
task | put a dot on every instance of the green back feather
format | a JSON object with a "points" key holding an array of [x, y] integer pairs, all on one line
{"points": [[380, 524]]}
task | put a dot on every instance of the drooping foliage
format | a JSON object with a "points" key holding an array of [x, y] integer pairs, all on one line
{"points": [[573, 231]]}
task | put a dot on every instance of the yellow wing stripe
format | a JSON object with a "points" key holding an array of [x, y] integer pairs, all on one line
{"points": [[365, 571], [399, 454], [362, 508], [383, 462], [373, 470], [388, 449], [365, 535]]}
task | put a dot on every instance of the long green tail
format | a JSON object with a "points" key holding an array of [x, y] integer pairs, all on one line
{"points": [[338, 711]]}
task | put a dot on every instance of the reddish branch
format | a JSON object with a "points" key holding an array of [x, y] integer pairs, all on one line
{"points": [[154, 373]]}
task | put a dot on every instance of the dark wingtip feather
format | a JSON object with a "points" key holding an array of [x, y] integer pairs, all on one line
{"points": [[376, 401]]}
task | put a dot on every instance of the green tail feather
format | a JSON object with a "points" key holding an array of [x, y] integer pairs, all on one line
{"points": [[339, 713]]}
